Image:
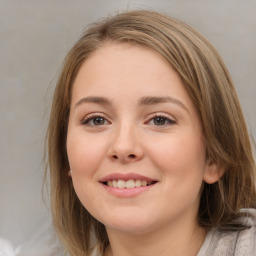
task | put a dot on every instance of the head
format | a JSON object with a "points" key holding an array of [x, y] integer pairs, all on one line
{"points": [[211, 91]]}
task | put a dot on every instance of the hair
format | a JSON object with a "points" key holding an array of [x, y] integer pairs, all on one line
{"points": [[209, 86]]}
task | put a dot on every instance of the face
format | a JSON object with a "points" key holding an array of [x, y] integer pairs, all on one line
{"points": [[134, 141]]}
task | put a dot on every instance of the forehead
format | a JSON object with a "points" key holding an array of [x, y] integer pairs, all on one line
{"points": [[122, 70]]}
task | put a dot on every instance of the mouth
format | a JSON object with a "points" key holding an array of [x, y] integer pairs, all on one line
{"points": [[129, 184], [127, 181]]}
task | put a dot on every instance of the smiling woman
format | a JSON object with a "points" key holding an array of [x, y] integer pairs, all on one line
{"points": [[138, 137], [146, 117]]}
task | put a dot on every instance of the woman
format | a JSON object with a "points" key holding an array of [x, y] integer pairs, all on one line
{"points": [[148, 148]]}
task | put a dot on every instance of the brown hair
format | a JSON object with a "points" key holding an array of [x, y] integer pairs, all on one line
{"points": [[208, 84]]}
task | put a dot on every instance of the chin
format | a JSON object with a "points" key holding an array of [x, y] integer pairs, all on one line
{"points": [[128, 223], [128, 228]]}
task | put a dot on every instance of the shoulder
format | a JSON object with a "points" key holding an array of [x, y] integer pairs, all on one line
{"points": [[250, 218], [246, 238], [235, 242]]}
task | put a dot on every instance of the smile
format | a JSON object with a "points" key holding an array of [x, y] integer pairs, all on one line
{"points": [[128, 184]]}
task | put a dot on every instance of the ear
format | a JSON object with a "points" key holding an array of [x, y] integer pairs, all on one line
{"points": [[70, 173], [213, 172]]}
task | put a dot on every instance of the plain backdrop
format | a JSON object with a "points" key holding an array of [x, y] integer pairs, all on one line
{"points": [[35, 35]]}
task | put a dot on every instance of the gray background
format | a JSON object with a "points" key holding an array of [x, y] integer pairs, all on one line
{"points": [[34, 38]]}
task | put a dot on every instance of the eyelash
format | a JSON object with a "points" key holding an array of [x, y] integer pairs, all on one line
{"points": [[89, 118], [86, 121], [165, 118]]}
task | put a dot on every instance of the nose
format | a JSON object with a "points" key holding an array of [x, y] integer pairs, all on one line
{"points": [[125, 145]]}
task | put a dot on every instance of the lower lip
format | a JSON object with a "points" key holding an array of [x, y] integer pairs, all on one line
{"points": [[127, 192]]}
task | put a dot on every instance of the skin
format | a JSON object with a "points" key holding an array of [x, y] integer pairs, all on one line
{"points": [[128, 138]]}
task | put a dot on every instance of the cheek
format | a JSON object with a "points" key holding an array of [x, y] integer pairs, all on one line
{"points": [[84, 153], [179, 155]]}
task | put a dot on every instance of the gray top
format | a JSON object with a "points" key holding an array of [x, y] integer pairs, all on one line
{"points": [[232, 243]]}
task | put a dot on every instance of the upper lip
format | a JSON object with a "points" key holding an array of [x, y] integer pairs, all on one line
{"points": [[125, 177]]}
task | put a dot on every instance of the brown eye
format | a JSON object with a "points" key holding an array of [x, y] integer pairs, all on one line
{"points": [[95, 121], [98, 120], [161, 120]]}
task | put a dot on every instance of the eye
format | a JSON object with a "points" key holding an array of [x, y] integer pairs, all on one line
{"points": [[161, 120], [95, 120]]}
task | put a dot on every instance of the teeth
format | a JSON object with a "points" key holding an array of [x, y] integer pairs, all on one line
{"points": [[137, 183], [114, 183], [143, 183], [128, 184], [121, 184]]}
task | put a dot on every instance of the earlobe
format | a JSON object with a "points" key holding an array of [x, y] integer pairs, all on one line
{"points": [[213, 173], [70, 173]]}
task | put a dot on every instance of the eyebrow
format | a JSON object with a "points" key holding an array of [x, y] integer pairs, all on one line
{"points": [[157, 100], [143, 101], [94, 99]]}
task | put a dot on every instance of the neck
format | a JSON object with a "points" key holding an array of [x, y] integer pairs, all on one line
{"points": [[179, 240]]}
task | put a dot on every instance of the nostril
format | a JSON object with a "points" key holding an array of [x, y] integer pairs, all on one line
{"points": [[127, 157]]}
